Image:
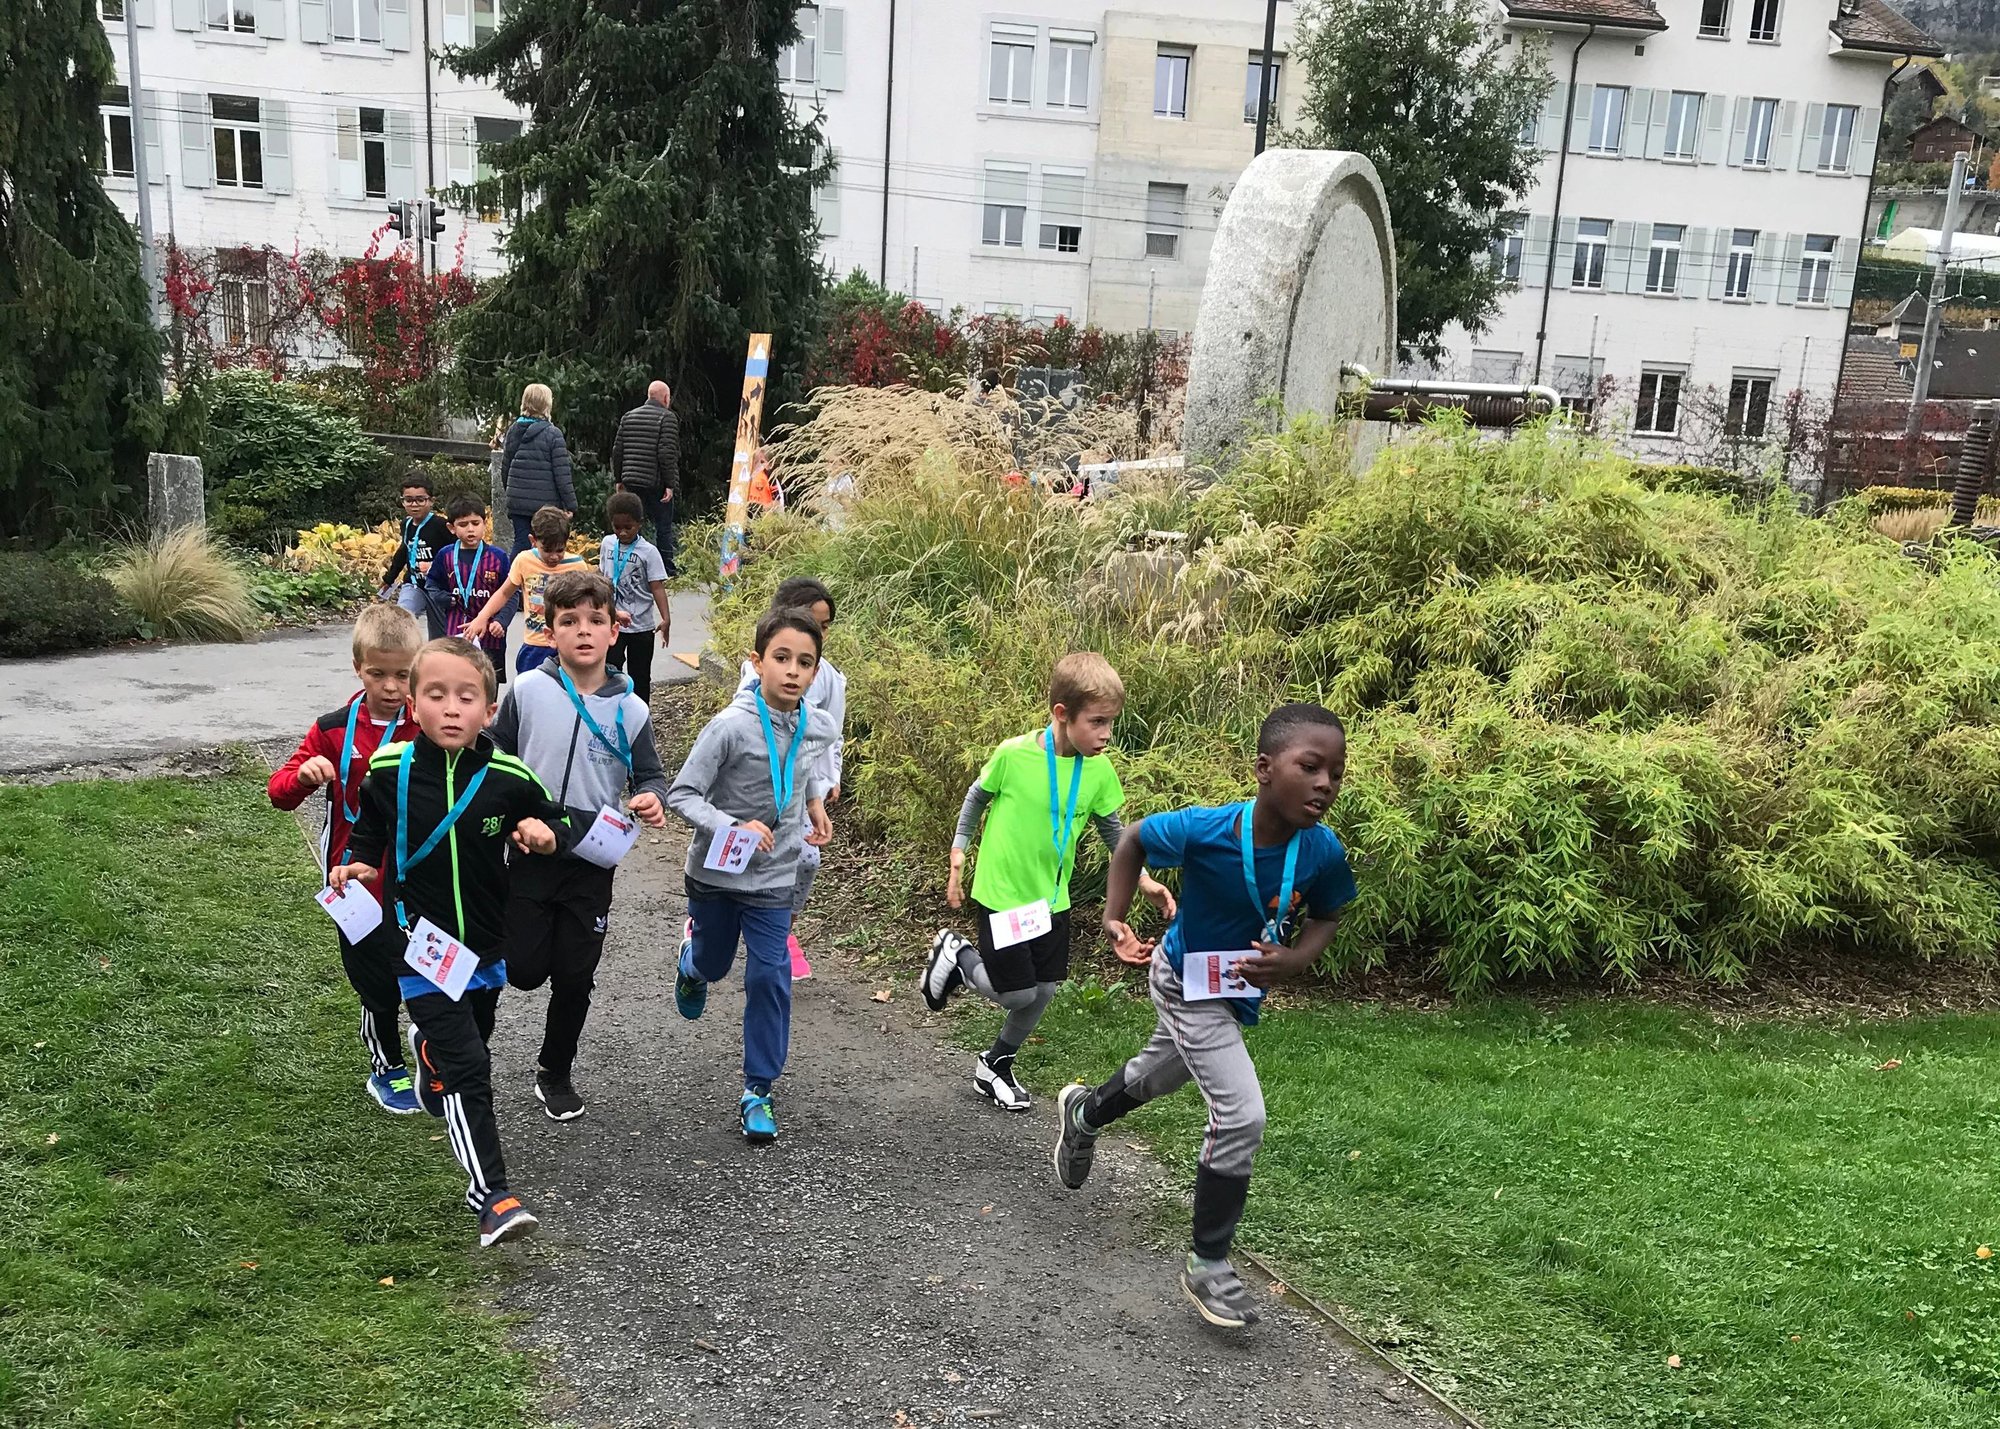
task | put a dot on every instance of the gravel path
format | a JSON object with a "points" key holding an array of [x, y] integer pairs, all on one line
{"points": [[902, 1257]]}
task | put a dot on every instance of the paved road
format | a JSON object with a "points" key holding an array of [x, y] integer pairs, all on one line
{"points": [[121, 705]]}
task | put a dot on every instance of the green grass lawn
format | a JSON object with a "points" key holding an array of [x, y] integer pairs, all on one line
{"points": [[199, 1204], [1539, 1210]]}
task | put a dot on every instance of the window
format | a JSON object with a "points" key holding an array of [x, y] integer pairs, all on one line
{"points": [[1069, 75], [1607, 118], [1715, 19], [1763, 19], [1170, 82], [239, 143], [1683, 126], [485, 20], [826, 204], [1593, 237], [243, 292], [374, 154], [1742, 260], [1749, 406], [1166, 214], [116, 110], [1836, 138], [1579, 380], [495, 196], [1757, 142], [232, 16], [1488, 366], [1659, 403], [1268, 73], [1816, 268], [798, 62], [1509, 246], [1011, 70], [1663, 259], [357, 20], [1063, 193], [1006, 212], [112, 11]]}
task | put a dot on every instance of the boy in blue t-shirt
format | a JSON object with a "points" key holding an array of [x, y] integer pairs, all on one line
{"points": [[1299, 867]]}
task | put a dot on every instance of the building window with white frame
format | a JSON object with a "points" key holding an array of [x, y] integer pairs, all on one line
{"points": [[1816, 269], [239, 141], [1166, 216], [1749, 411], [1170, 81], [1607, 118], [1715, 19], [1264, 70], [116, 109], [485, 20], [1836, 138], [1010, 67], [1764, 20], [1663, 259], [235, 17], [1593, 238], [359, 21], [374, 144], [497, 199], [1683, 126], [1005, 216], [1063, 195], [1757, 139], [1659, 412], [243, 297], [798, 62], [1494, 366], [1509, 247], [1069, 72], [1578, 380], [112, 12], [1742, 263]]}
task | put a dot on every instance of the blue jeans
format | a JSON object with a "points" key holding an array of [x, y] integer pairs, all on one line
{"points": [[524, 540], [767, 977], [662, 513]]}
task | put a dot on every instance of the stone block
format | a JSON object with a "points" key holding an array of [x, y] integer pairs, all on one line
{"points": [[174, 496]]}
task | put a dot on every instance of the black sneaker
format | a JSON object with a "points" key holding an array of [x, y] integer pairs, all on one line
{"points": [[558, 1098], [506, 1219], [1219, 1293], [996, 1083], [1076, 1148], [941, 975]]}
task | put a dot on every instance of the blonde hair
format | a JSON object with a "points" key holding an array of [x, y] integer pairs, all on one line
{"points": [[464, 650], [385, 627], [537, 400], [1083, 677]]}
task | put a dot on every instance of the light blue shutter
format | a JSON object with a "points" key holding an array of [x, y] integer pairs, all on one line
{"points": [[1781, 137], [141, 11], [1718, 266], [277, 122], [1809, 140], [1649, 113], [1788, 267], [197, 147], [1548, 133], [395, 24], [271, 19], [832, 48], [1624, 256], [187, 15], [1579, 120], [313, 22], [350, 179], [1565, 253], [1535, 252], [153, 115], [401, 129], [1739, 131], [1840, 293], [1867, 128], [1764, 265], [1713, 136], [1694, 263], [458, 22]]}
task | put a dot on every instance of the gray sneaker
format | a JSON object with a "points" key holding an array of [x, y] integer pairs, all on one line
{"points": [[1219, 1293], [1075, 1147]]}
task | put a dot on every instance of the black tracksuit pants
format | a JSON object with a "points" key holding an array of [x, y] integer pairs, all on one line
{"points": [[632, 656], [373, 969], [455, 1036], [557, 912]]}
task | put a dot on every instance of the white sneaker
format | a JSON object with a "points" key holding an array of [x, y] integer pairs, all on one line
{"points": [[997, 1084], [941, 975]]}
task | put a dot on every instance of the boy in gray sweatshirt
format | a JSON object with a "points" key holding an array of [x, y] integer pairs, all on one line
{"points": [[589, 739], [754, 789]]}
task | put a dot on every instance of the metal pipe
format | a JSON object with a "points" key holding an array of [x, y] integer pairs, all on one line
{"points": [[1264, 79], [428, 245], [135, 95], [1920, 381], [1555, 215], [1975, 462], [888, 138]]}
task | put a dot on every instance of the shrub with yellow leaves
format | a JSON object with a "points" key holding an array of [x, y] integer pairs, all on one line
{"points": [[353, 551]]}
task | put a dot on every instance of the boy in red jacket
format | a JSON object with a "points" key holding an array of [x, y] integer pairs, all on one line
{"points": [[334, 755]]}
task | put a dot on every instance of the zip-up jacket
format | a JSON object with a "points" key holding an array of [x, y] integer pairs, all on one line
{"points": [[430, 536], [646, 453], [535, 467], [323, 740], [538, 722], [462, 885], [487, 572]]}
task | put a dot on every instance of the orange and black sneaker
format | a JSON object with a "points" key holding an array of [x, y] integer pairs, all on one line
{"points": [[506, 1219], [429, 1086]]}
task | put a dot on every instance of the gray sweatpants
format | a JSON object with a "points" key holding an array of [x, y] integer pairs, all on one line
{"points": [[1024, 1006]]}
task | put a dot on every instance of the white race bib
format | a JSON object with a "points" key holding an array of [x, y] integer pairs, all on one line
{"points": [[1021, 925], [1209, 975], [609, 839], [729, 851], [441, 958], [353, 909]]}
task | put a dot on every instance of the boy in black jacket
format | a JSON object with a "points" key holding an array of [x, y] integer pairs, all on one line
{"points": [[436, 816], [424, 534]]}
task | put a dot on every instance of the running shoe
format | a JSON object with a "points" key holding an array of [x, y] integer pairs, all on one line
{"points": [[506, 1219], [760, 1127], [1219, 1294], [690, 992], [996, 1083], [428, 1085], [1076, 1148], [801, 969], [557, 1096], [941, 975], [394, 1092]]}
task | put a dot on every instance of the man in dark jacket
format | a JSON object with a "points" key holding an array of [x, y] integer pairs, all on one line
{"points": [[534, 464], [646, 461]]}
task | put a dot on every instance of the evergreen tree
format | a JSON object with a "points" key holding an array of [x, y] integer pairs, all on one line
{"points": [[79, 358], [670, 214], [1432, 102]]}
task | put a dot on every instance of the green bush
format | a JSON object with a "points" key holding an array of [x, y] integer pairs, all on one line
{"points": [[278, 458], [1595, 727], [50, 608], [449, 479], [296, 595]]}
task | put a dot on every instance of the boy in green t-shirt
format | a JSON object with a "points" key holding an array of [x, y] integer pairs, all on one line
{"points": [[1033, 790]]}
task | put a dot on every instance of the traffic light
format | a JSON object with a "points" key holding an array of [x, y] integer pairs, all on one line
{"points": [[399, 219], [437, 220]]}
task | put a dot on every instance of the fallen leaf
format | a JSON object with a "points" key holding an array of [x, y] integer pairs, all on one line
{"points": [[1673, 1361], [438, 1137], [983, 1210], [1907, 1315], [1890, 1065], [1795, 1338], [882, 996], [40, 1045], [1496, 1193], [952, 1376], [1354, 1155], [705, 1346], [1277, 1289], [387, 1280], [54, 1138], [104, 962], [1985, 1252], [247, 1264]]}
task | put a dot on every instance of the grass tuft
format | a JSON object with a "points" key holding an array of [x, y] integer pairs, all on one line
{"points": [[187, 585]]}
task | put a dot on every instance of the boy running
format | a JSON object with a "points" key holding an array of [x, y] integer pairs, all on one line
{"points": [[1031, 791], [334, 756], [638, 574], [588, 738], [1247, 872], [437, 814], [530, 572], [467, 574], [424, 534]]}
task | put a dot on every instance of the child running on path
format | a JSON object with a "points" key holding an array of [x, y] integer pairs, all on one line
{"points": [[334, 756], [529, 573], [424, 534], [589, 740], [638, 574], [755, 771], [828, 691], [437, 815], [468, 573], [1247, 870], [1031, 791]]}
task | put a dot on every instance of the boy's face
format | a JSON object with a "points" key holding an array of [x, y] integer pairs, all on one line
{"points": [[385, 679], [625, 528], [583, 634], [416, 502], [1302, 779], [552, 555], [1089, 729], [786, 667], [823, 613], [450, 701], [469, 529]]}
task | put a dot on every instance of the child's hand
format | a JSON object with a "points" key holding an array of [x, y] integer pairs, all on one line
{"points": [[647, 807], [339, 878], [833, 795], [822, 826], [1161, 896], [954, 891], [534, 836], [316, 771], [1275, 962], [1126, 945], [766, 840], [624, 618], [495, 630], [665, 635]]}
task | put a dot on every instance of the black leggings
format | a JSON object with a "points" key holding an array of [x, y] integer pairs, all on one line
{"points": [[633, 654]]}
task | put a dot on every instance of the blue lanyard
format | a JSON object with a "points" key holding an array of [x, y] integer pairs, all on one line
{"points": [[621, 557], [1274, 928], [405, 860], [353, 812], [623, 748], [465, 580], [783, 774], [411, 529], [1061, 821]]}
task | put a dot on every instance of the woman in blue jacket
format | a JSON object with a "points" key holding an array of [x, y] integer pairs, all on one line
{"points": [[534, 464]]}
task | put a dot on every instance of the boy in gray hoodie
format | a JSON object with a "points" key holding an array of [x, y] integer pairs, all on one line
{"points": [[589, 739], [754, 789]]}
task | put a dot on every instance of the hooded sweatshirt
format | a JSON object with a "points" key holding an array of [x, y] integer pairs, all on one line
{"points": [[539, 722], [727, 780]]}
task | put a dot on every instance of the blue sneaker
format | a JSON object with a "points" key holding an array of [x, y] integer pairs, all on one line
{"points": [[760, 1127], [690, 992], [428, 1085], [394, 1092]]}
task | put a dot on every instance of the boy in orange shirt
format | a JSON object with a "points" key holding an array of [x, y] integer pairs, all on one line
{"points": [[530, 572]]}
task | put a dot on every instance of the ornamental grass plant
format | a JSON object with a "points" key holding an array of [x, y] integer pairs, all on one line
{"points": [[186, 585]]}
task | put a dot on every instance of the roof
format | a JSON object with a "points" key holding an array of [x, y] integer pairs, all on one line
{"points": [[1871, 373], [1944, 121], [1874, 25], [1618, 14], [1966, 364]]}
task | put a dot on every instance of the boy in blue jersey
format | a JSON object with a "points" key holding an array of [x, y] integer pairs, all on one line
{"points": [[1248, 871]]}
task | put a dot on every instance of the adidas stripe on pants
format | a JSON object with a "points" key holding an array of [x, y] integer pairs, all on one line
{"points": [[456, 1033]]}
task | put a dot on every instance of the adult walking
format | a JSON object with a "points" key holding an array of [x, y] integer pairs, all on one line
{"points": [[646, 461], [534, 464]]}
